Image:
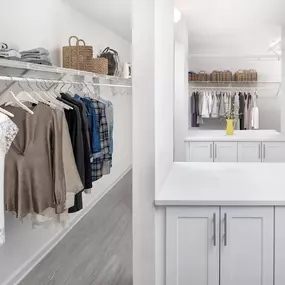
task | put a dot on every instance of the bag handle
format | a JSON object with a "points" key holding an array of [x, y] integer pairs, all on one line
{"points": [[73, 37], [82, 41], [105, 50], [108, 49]]}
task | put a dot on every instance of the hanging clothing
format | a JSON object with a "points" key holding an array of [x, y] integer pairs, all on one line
{"points": [[215, 107], [78, 204], [206, 106], [247, 111], [236, 109], [92, 126], [35, 161], [98, 164], [8, 132], [241, 110], [222, 105]]}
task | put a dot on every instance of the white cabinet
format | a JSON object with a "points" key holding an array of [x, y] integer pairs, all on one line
{"points": [[226, 246], [192, 242], [249, 152], [273, 151], [225, 152], [199, 152], [279, 245], [247, 246]]}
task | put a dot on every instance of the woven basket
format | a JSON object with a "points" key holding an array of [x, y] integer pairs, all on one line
{"points": [[215, 76], [227, 76], [202, 76], [100, 65], [191, 76], [78, 57], [239, 75], [253, 75]]}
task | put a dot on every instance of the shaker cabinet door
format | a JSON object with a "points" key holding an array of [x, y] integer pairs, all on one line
{"points": [[225, 152], [249, 152], [199, 151], [192, 246], [247, 245], [273, 151]]}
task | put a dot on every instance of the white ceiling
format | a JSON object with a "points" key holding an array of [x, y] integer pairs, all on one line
{"points": [[113, 14], [215, 26], [232, 26]]}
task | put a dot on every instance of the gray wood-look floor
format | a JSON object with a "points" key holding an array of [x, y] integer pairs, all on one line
{"points": [[98, 250]]}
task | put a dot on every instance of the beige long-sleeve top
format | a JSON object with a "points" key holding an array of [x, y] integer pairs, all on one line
{"points": [[34, 173]]}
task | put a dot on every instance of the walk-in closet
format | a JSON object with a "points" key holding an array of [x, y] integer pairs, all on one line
{"points": [[66, 127]]}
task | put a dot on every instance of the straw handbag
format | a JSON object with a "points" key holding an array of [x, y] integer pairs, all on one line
{"points": [[78, 57]]}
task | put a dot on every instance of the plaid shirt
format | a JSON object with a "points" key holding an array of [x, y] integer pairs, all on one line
{"points": [[105, 158]]}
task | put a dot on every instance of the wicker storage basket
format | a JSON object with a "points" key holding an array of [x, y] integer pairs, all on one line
{"points": [[253, 75], [227, 76], [78, 57], [215, 76], [100, 65], [239, 75], [191, 76], [202, 76]]}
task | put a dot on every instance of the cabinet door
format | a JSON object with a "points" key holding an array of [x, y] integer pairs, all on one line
{"points": [[247, 245], [249, 152], [225, 152], [200, 152], [279, 245], [273, 151], [192, 246]]}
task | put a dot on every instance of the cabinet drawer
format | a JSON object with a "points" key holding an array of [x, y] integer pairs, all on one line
{"points": [[249, 152]]}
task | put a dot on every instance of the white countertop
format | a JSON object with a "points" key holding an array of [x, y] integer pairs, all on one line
{"points": [[220, 135], [220, 184]]}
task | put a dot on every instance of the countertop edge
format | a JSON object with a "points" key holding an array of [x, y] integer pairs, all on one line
{"points": [[166, 203]]}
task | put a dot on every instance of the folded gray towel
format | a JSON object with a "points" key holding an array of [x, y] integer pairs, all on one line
{"points": [[39, 50], [36, 56], [38, 61]]}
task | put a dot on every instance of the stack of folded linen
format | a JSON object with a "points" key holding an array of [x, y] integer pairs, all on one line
{"points": [[7, 53], [38, 55]]}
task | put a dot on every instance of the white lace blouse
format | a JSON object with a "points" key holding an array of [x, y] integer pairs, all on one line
{"points": [[8, 131]]}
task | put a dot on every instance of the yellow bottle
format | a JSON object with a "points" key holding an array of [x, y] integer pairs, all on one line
{"points": [[230, 127]]}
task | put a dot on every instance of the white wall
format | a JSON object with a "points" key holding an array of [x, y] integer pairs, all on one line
{"points": [[282, 99], [181, 88], [50, 24], [153, 60]]}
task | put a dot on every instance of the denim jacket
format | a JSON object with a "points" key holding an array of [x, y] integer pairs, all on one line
{"points": [[92, 126]]}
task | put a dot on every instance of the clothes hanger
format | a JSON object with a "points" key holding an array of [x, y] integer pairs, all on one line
{"points": [[55, 94], [39, 97], [11, 97], [23, 96], [49, 98]]}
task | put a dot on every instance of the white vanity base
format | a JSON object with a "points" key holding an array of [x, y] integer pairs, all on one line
{"points": [[225, 224]]}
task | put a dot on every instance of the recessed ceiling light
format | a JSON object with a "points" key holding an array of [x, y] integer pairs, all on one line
{"points": [[177, 15]]}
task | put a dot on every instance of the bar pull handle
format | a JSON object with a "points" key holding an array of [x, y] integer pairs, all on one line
{"points": [[259, 151], [264, 152], [226, 230], [211, 151], [215, 151], [215, 229]]}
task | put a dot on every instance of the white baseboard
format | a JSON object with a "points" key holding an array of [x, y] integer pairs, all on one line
{"points": [[24, 270]]}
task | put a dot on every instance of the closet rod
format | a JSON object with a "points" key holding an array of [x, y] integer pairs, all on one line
{"points": [[35, 80]]}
